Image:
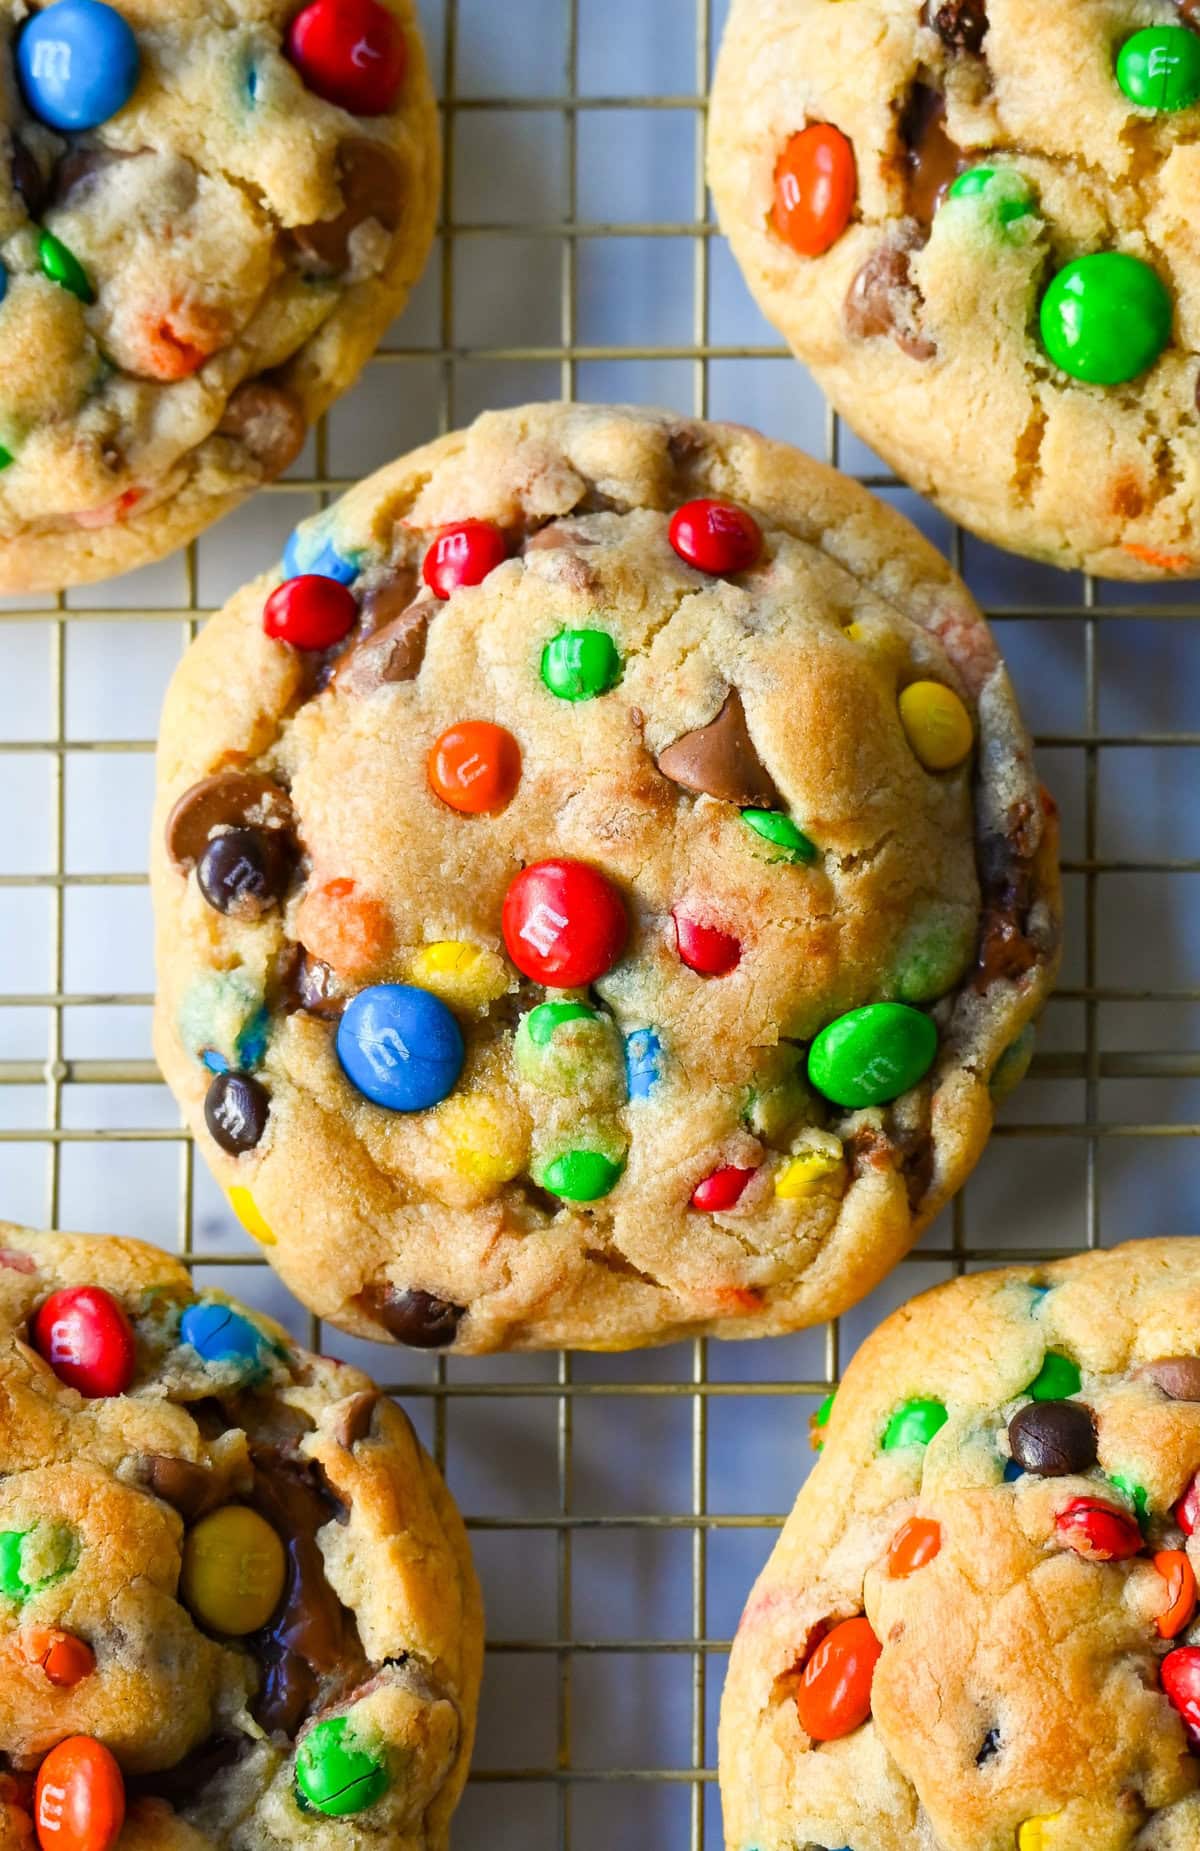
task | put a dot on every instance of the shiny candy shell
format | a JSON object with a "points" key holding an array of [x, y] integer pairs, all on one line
{"points": [[781, 832], [234, 1567], [400, 1047], [1106, 318], [85, 1336], [310, 550], [336, 1777], [475, 768], [721, 1190], [873, 1054], [564, 924], [78, 64], [833, 1696], [79, 1799], [1159, 68], [1098, 1531], [351, 52], [707, 950], [1180, 1674], [310, 612], [463, 555], [936, 724], [915, 1544], [1179, 1582], [1057, 1378], [581, 1175], [219, 1334], [816, 180], [914, 1423], [643, 1063], [63, 1659], [716, 537], [579, 665]]}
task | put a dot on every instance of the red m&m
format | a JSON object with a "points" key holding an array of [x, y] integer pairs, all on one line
{"points": [[463, 555], [833, 1696], [79, 1800], [84, 1335], [716, 536], [815, 184], [706, 949], [310, 612], [1180, 1674], [721, 1190], [1187, 1511], [351, 52], [1098, 1531], [564, 925]]}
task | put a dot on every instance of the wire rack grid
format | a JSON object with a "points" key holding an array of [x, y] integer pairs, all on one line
{"points": [[619, 1506]]}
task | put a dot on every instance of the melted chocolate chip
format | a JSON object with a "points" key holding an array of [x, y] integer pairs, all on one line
{"points": [[1053, 1438], [884, 300], [960, 24], [184, 1781], [393, 653], [1177, 1376], [720, 760], [236, 1110], [269, 422], [372, 183], [186, 1487], [244, 872], [28, 178], [933, 161], [1006, 881], [225, 800], [989, 1746], [311, 1652], [353, 1419], [416, 1318], [309, 985]]}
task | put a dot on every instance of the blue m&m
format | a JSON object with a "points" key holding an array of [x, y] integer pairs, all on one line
{"points": [[643, 1062], [400, 1046], [78, 64], [310, 551], [219, 1334]]}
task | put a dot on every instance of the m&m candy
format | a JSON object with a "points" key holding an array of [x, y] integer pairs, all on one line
{"points": [[564, 924], [79, 1798], [219, 1334], [643, 1063], [475, 768], [1180, 1674], [85, 1336], [77, 63], [400, 1047], [233, 1572], [334, 1773], [1009, 193], [1057, 1378], [1037, 1834], [1179, 1582], [781, 832], [936, 724], [581, 1175], [1159, 68], [716, 537], [310, 612], [63, 267], [1097, 1530], [915, 1543], [310, 549], [351, 52], [63, 1659], [35, 1558], [833, 1696], [707, 950], [818, 1422], [873, 1054], [1106, 318], [816, 181], [722, 1189], [579, 665], [463, 555], [1187, 1511], [914, 1423]]}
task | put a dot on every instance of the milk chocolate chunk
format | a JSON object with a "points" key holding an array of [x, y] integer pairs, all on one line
{"points": [[1177, 1376], [268, 421], [884, 300], [225, 801], [182, 1484], [372, 188], [353, 1420], [392, 654], [720, 760]]}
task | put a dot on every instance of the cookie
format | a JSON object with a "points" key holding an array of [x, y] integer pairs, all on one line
{"points": [[596, 883], [978, 1630], [237, 1607], [974, 220], [208, 218]]}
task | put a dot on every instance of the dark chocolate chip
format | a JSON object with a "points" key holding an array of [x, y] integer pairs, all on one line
{"points": [[1053, 1438], [244, 872], [989, 1747], [225, 800], [416, 1318], [934, 162], [1177, 1376], [352, 1419], [960, 24], [720, 760], [236, 1110], [304, 982], [28, 178], [372, 183], [186, 1487], [269, 422], [884, 300], [392, 654]]}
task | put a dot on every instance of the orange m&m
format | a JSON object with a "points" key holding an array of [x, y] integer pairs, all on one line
{"points": [[475, 767], [816, 181], [1176, 1570], [915, 1543], [64, 1659], [79, 1799], [833, 1696]]}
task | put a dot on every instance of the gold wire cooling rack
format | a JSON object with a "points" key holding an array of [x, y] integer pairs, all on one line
{"points": [[601, 1700]]}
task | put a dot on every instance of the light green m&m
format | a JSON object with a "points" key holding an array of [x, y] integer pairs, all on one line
{"points": [[1008, 190], [781, 832], [1056, 1380], [542, 1021], [63, 267], [577, 665], [1159, 68], [34, 1559], [872, 1055], [581, 1175], [914, 1424], [336, 1779], [1106, 318]]}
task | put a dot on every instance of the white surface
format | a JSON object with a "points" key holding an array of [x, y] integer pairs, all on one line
{"points": [[740, 1450]]}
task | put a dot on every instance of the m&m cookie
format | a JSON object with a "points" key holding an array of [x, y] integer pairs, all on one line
{"points": [[974, 220], [979, 1629], [208, 217], [599, 874], [237, 1606]]}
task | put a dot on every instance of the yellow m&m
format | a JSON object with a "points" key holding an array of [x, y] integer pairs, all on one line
{"points": [[246, 1209], [465, 976], [803, 1173], [937, 724], [233, 1571], [1035, 1834]]}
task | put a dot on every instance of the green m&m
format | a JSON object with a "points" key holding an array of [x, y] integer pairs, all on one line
{"points": [[334, 1778], [781, 832], [35, 1558], [577, 665], [1159, 68], [581, 1175], [1106, 318], [63, 267], [914, 1424], [1057, 1378], [542, 1021], [818, 1422], [1009, 191], [872, 1054], [1137, 1494]]}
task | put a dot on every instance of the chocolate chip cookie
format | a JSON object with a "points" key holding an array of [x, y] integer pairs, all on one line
{"points": [[601, 880], [975, 221], [978, 1630], [208, 217], [237, 1607]]}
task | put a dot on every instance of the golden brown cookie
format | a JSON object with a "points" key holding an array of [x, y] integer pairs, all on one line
{"points": [[236, 1601], [598, 887], [975, 221], [208, 218], [978, 1629]]}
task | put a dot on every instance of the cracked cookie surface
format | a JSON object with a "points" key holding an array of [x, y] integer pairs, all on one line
{"points": [[191, 279], [604, 919], [997, 1551], [236, 1601], [975, 223]]}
